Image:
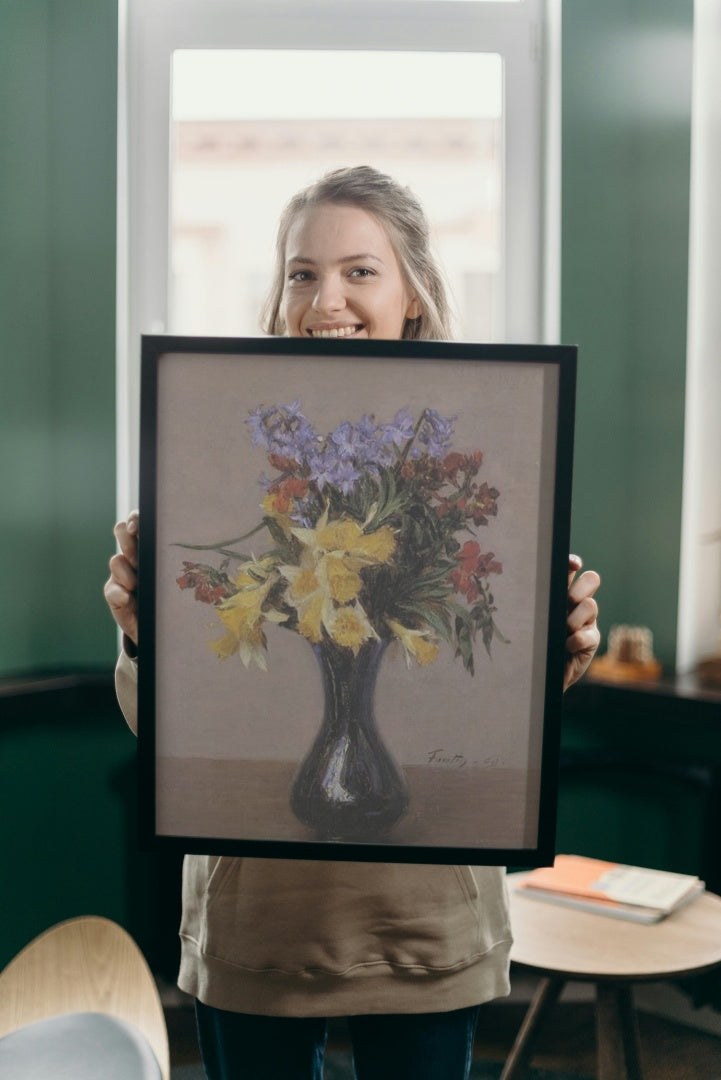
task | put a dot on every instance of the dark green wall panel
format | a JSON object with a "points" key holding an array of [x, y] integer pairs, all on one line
{"points": [[626, 145], [58, 77], [26, 484], [68, 802]]}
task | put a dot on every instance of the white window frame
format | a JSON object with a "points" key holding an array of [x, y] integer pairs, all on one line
{"points": [[699, 597], [526, 34]]}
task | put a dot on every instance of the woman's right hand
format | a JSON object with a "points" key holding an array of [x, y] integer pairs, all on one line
{"points": [[121, 587]]}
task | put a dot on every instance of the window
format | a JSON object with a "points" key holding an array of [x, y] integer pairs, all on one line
{"points": [[227, 107], [235, 161]]}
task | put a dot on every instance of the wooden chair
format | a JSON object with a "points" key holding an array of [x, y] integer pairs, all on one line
{"points": [[85, 967]]}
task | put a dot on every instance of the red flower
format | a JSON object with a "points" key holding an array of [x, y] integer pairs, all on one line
{"points": [[482, 504], [465, 583], [468, 555], [474, 566], [210, 586], [283, 464], [469, 464], [452, 463], [292, 487], [424, 470]]}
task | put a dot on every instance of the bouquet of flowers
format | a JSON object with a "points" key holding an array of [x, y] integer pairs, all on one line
{"points": [[366, 529]]}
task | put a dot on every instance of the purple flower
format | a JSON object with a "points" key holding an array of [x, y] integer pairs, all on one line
{"points": [[345, 439], [345, 476], [283, 430], [436, 433], [360, 443], [258, 424], [400, 430], [328, 468]]}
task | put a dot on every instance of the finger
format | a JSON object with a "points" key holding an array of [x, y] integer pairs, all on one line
{"points": [[119, 599], [584, 613], [123, 608], [583, 641], [585, 585], [575, 563], [126, 534], [123, 573]]}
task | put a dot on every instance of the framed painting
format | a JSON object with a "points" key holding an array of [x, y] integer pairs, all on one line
{"points": [[352, 597]]}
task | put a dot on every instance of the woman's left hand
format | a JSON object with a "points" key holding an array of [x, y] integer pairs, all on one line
{"points": [[582, 634]]}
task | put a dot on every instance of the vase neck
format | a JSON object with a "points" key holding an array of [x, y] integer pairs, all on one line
{"points": [[349, 680]]}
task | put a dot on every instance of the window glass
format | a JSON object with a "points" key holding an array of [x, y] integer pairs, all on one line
{"points": [[251, 127]]}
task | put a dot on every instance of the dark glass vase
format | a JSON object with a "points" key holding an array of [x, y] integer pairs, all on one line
{"points": [[349, 788]]}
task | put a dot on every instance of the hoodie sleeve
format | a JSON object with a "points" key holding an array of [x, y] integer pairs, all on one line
{"points": [[126, 688]]}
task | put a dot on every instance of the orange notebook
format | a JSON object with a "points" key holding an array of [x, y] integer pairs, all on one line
{"points": [[631, 892]]}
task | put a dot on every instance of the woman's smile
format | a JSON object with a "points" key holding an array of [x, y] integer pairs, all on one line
{"points": [[335, 331]]}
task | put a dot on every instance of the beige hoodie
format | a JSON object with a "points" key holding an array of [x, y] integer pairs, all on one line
{"points": [[284, 937]]}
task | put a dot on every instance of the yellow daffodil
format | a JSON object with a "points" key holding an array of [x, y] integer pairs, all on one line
{"points": [[307, 594], [251, 647], [324, 593], [346, 539], [349, 626], [242, 614], [326, 585], [417, 644], [310, 617], [344, 583]]}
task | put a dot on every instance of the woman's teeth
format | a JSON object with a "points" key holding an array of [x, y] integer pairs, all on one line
{"points": [[337, 331]]}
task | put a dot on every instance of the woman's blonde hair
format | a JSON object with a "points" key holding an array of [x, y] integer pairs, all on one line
{"points": [[403, 217]]}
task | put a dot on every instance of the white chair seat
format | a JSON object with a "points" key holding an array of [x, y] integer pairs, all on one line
{"points": [[78, 1046]]}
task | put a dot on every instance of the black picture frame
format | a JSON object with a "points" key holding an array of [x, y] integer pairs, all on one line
{"points": [[221, 744]]}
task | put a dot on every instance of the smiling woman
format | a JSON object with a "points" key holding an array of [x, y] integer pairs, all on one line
{"points": [[270, 947], [353, 259]]}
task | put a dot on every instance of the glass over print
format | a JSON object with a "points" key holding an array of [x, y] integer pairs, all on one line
{"points": [[355, 598]]}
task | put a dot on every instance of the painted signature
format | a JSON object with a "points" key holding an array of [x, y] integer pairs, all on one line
{"points": [[448, 760]]}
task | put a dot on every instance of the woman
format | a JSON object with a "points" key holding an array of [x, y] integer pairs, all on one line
{"points": [[271, 948]]}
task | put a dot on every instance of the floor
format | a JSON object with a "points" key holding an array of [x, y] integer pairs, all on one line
{"points": [[670, 1051]]}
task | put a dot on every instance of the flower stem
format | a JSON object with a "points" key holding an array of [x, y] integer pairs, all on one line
{"points": [[409, 444], [221, 545]]}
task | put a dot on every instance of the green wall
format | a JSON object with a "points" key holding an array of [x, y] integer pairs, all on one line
{"points": [[58, 72], [626, 145]]}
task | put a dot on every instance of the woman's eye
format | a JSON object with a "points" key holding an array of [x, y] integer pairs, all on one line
{"points": [[362, 272], [300, 276]]}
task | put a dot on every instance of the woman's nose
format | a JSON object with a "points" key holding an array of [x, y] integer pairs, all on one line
{"points": [[329, 295]]}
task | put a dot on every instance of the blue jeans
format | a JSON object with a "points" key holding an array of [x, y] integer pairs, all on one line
{"points": [[413, 1046]]}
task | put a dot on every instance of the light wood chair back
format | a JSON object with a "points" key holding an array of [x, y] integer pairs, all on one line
{"points": [[87, 964]]}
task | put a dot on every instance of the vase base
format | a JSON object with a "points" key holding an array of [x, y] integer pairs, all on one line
{"points": [[337, 825]]}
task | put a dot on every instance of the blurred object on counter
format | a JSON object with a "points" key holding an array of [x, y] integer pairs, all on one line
{"points": [[629, 656]]}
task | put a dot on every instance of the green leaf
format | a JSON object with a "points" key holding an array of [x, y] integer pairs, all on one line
{"points": [[435, 618], [438, 621], [465, 647], [277, 531], [221, 545]]}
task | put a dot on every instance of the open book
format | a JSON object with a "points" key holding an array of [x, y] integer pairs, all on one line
{"points": [[608, 888]]}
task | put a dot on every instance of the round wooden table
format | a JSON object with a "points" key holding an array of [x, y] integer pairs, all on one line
{"points": [[562, 944]]}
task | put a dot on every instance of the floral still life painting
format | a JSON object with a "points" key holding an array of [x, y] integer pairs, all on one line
{"points": [[372, 533]]}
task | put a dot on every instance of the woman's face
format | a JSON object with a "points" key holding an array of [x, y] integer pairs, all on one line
{"points": [[342, 277]]}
